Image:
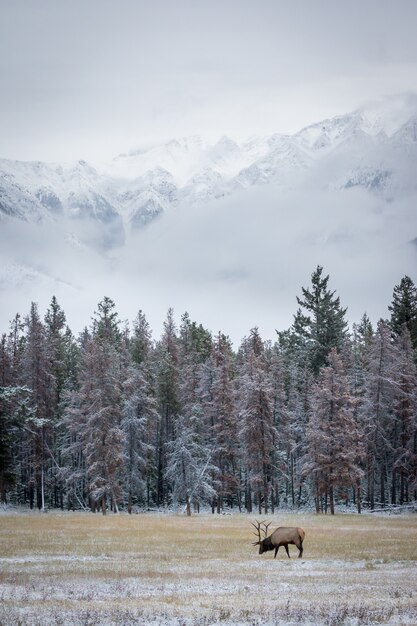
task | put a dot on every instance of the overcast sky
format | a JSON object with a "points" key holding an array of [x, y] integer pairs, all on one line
{"points": [[92, 78]]}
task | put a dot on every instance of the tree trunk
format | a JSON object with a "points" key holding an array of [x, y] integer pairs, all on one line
{"points": [[394, 487], [358, 496], [371, 484], [382, 494], [3, 497], [402, 488], [42, 489], [316, 495], [331, 497]]}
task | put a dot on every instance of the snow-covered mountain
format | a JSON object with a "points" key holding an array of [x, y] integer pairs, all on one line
{"points": [[374, 148]]}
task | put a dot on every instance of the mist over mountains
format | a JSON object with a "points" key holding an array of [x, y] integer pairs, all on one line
{"points": [[242, 223]]}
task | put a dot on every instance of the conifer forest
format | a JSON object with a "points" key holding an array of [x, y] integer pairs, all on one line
{"points": [[114, 419]]}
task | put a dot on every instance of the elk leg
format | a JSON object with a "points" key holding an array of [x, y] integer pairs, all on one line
{"points": [[300, 547], [276, 551], [288, 552]]}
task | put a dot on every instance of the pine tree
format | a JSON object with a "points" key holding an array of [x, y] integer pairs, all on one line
{"points": [[362, 338], [36, 374], [14, 406], [106, 322], [56, 338], [404, 427], [189, 467], [283, 451], [189, 364], [95, 410], [376, 412], [217, 398], [256, 416], [141, 342], [168, 393], [139, 419], [334, 440], [324, 326], [404, 309], [15, 346], [298, 380]]}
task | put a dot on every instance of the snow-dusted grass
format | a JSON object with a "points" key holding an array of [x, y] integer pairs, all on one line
{"points": [[169, 569]]}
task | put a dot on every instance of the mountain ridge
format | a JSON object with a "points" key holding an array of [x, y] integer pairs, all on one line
{"points": [[363, 148]]}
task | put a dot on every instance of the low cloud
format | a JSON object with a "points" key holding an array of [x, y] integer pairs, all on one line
{"points": [[232, 263]]}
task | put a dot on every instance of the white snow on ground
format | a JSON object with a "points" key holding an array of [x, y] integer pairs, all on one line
{"points": [[39, 589], [79, 569]]}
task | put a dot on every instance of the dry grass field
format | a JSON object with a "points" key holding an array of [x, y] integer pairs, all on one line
{"points": [[85, 569]]}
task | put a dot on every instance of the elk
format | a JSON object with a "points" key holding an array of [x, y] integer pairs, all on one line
{"points": [[282, 536]]}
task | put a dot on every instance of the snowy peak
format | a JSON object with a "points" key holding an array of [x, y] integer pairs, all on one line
{"points": [[328, 133], [389, 114], [374, 148], [407, 133], [180, 157]]}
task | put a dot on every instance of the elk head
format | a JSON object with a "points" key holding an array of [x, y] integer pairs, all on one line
{"points": [[262, 543]]}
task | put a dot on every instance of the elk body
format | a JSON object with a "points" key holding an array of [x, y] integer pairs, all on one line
{"points": [[282, 536]]}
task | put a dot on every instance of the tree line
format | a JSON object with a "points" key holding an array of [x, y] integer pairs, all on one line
{"points": [[113, 419]]}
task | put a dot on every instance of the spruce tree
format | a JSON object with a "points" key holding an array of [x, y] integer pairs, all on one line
{"points": [[138, 424], [404, 423], [334, 448], [95, 410], [167, 378], [257, 429], [141, 341], [37, 375], [404, 309], [218, 402], [323, 326], [376, 413]]}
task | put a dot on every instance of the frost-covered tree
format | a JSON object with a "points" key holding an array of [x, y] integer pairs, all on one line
{"points": [[167, 373], [404, 422], [55, 326], [138, 424], [36, 374], [194, 345], [95, 411], [359, 347], [334, 439], [141, 341], [218, 401], [189, 468], [15, 346], [298, 380], [257, 430], [283, 456], [14, 407], [59, 348], [106, 323], [376, 412], [97, 415]]}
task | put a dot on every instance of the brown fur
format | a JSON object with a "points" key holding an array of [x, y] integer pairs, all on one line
{"points": [[283, 536]]}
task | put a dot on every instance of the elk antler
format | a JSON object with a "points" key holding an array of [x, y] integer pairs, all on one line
{"points": [[266, 527], [258, 531]]}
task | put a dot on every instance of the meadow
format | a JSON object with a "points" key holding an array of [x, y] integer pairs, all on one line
{"points": [[86, 569]]}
